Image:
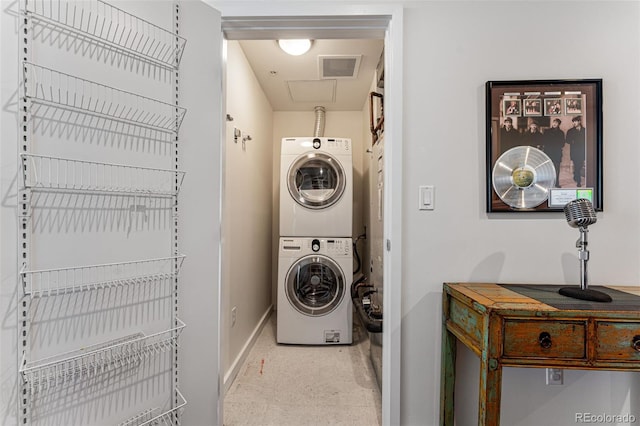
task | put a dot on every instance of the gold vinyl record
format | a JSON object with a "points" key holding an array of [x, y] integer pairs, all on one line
{"points": [[522, 177]]}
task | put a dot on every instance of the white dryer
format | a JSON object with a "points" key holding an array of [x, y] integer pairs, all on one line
{"points": [[314, 299], [316, 187]]}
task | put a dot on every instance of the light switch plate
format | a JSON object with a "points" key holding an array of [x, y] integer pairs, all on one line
{"points": [[426, 197]]}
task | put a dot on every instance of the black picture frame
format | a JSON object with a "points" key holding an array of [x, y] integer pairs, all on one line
{"points": [[577, 104]]}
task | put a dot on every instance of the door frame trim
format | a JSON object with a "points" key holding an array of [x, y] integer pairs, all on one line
{"points": [[260, 21]]}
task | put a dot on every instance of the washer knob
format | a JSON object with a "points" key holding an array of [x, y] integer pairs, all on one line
{"points": [[315, 245], [316, 143]]}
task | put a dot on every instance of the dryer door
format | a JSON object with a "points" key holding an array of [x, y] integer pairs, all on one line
{"points": [[315, 285], [316, 180]]}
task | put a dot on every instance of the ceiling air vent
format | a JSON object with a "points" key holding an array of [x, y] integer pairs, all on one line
{"points": [[339, 66]]}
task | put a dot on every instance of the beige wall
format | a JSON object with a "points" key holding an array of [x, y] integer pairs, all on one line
{"points": [[247, 199]]}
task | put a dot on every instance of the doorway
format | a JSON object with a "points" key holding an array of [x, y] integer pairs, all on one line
{"points": [[359, 26]]}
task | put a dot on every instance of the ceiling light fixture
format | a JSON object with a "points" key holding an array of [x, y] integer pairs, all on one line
{"points": [[295, 47]]}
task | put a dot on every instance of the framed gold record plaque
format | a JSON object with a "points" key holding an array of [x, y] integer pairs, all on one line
{"points": [[543, 137]]}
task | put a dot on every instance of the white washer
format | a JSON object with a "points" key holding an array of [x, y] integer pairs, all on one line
{"points": [[314, 291], [316, 187]]}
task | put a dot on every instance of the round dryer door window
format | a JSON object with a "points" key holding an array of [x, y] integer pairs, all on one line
{"points": [[315, 285], [316, 180]]}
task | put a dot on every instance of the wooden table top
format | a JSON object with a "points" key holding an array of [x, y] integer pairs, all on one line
{"points": [[502, 296]]}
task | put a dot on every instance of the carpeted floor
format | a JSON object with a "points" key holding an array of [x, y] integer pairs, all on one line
{"points": [[305, 385]]}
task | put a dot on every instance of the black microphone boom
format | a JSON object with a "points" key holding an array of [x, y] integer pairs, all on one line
{"points": [[580, 214]]}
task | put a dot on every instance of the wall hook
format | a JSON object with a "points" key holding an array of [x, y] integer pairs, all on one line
{"points": [[244, 140]]}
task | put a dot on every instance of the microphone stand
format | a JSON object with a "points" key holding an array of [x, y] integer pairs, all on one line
{"points": [[583, 256], [584, 293]]}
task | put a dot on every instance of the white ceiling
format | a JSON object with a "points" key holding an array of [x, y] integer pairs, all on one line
{"points": [[293, 83]]}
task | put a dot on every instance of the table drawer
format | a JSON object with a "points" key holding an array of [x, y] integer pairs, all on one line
{"points": [[618, 341], [467, 320], [544, 339]]}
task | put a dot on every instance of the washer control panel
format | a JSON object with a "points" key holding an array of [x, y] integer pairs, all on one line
{"points": [[338, 246], [335, 247]]}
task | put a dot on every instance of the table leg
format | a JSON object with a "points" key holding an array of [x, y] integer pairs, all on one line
{"points": [[490, 391], [448, 377]]}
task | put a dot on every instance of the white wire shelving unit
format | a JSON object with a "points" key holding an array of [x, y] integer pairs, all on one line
{"points": [[85, 363], [106, 25], [41, 172], [50, 87], [52, 282], [133, 44], [158, 415]]}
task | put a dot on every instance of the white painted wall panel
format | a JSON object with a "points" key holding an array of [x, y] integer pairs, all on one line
{"points": [[200, 209], [452, 49], [8, 213]]}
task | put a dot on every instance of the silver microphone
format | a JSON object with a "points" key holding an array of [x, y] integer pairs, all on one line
{"points": [[580, 213]]}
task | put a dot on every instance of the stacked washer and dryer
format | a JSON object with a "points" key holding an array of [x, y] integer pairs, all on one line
{"points": [[315, 262]]}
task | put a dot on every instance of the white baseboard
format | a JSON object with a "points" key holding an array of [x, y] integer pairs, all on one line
{"points": [[233, 371]]}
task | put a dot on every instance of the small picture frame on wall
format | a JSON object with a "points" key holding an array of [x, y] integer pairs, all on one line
{"points": [[533, 107], [547, 135], [553, 106], [573, 106], [512, 107]]}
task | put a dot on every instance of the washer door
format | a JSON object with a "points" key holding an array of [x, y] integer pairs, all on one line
{"points": [[315, 285], [316, 180]]}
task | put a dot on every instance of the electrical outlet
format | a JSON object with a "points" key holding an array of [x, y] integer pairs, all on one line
{"points": [[555, 376], [234, 314]]}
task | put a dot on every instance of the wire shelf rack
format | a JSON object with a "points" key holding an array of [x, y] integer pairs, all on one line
{"points": [[51, 282], [158, 416], [106, 25], [51, 87], [91, 361], [42, 172]]}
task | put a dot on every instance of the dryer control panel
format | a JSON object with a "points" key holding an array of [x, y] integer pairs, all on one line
{"points": [[338, 144]]}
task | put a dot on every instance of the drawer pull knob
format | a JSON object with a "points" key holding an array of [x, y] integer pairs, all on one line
{"points": [[636, 343], [545, 340]]}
